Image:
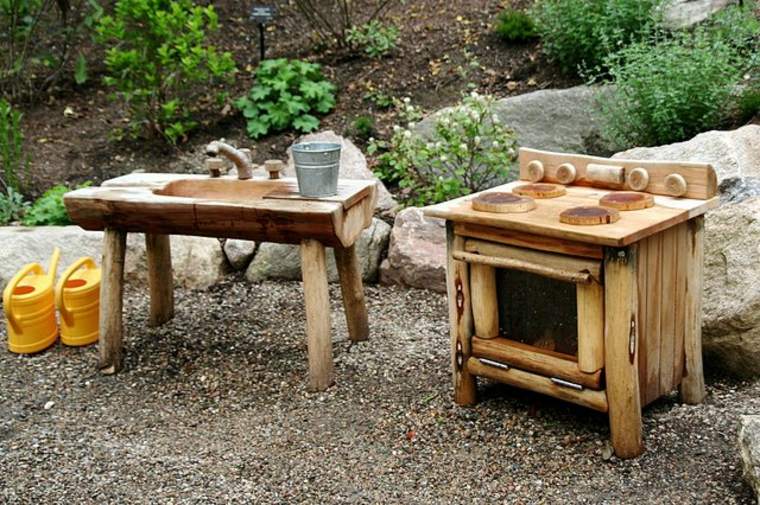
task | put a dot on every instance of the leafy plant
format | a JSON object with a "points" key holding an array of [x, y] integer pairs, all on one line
{"points": [[671, 91], [12, 157], [468, 149], [579, 34], [515, 26], [379, 99], [332, 20], [364, 127], [49, 209], [157, 53], [12, 206], [375, 38], [287, 93]]}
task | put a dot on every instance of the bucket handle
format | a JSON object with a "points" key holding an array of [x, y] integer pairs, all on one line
{"points": [[81, 262], [35, 268]]}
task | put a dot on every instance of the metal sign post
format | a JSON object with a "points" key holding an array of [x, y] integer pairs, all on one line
{"points": [[262, 14]]}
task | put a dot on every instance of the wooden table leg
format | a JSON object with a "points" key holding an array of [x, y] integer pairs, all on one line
{"points": [[621, 345], [111, 293], [460, 320], [353, 293], [160, 283], [693, 382], [316, 295]]}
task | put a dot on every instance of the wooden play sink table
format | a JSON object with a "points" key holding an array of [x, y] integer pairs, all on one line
{"points": [[264, 210]]}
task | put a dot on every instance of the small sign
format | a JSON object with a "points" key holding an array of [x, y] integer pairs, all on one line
{"points": [[263, 14]]}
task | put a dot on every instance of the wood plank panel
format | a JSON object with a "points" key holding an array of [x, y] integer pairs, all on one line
{"points": [[693, 383], [653, 313], [682, 245], [644, 341], [668, 302], [485, 307], [590, 301]]}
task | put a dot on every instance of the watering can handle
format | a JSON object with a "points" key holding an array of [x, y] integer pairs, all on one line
{"points": [[35, 268], [81, 262]]}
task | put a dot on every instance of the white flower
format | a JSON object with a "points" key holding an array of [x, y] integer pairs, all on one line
{"points": [[495, 144], [495, 118], [410, 125], [410, 108], [474, 94], [511, 152], [396, 128], [477, 141], [445, 121], [430, 145], [372, 139], [444, 157], [463, 147], [407, 134], [407, 99], [438, 145]]}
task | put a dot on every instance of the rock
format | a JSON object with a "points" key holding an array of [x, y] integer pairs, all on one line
{"points": [[417, 252], [353, 165], [679, 14], [197, 261], [565, 120], [749, 448], [733, 153], [731, 324], [239, 252], [738, 189], [283, 261]]}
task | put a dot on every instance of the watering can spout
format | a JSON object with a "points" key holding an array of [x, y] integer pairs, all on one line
{"points": [[53, 266]]}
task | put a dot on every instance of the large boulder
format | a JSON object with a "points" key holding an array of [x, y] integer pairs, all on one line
{"points": [[731, 324], [564, 120], [283, 261], [678, 14], [353, 165], [749, 449], [197, 261], [417, 252]]}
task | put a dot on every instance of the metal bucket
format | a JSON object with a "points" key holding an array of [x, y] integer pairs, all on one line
{"points": [[317, 165]]}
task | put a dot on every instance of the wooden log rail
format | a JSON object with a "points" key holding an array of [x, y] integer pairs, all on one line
{"points": [[534, 359]]}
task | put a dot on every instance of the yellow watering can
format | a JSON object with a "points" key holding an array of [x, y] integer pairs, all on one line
{"points": [[77, 297], [29, 306]]}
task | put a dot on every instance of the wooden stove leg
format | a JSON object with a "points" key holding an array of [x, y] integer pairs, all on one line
{"points": [[621, 344], [111, 293], [693, 382], [316, 295], [460, 320], [160, 283], [353, 293]]}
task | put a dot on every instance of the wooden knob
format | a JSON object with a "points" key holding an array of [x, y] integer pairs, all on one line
{"points": [[274, 167], [565, 173], [215, 166], [637, 179], [535, 170], [675, 185]]}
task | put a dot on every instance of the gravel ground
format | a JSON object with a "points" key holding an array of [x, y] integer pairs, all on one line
{"points": [[212, 407]]}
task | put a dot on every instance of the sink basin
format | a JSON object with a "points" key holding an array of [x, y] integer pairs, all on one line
{"points": [[253, 209]]}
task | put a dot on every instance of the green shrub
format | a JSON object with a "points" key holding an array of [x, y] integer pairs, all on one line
{"points": [[515, 26], [364, 127], [287, 93], [157, 54], [49, 209], [579, 34], [12, 206], [375, 38], [671, 91], [467, 150], [14, 162]]}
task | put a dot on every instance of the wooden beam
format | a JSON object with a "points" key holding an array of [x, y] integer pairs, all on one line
{"points": [[352, 290], [590, 301], [621, 350], [160, 282], [589, 398], [317, 301], [534, 359], [111, 298], [693, 383], [485, 308], [524, 266], [460, 319]]}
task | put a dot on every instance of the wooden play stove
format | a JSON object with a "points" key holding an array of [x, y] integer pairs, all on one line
{"points": [[582, 281]]}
